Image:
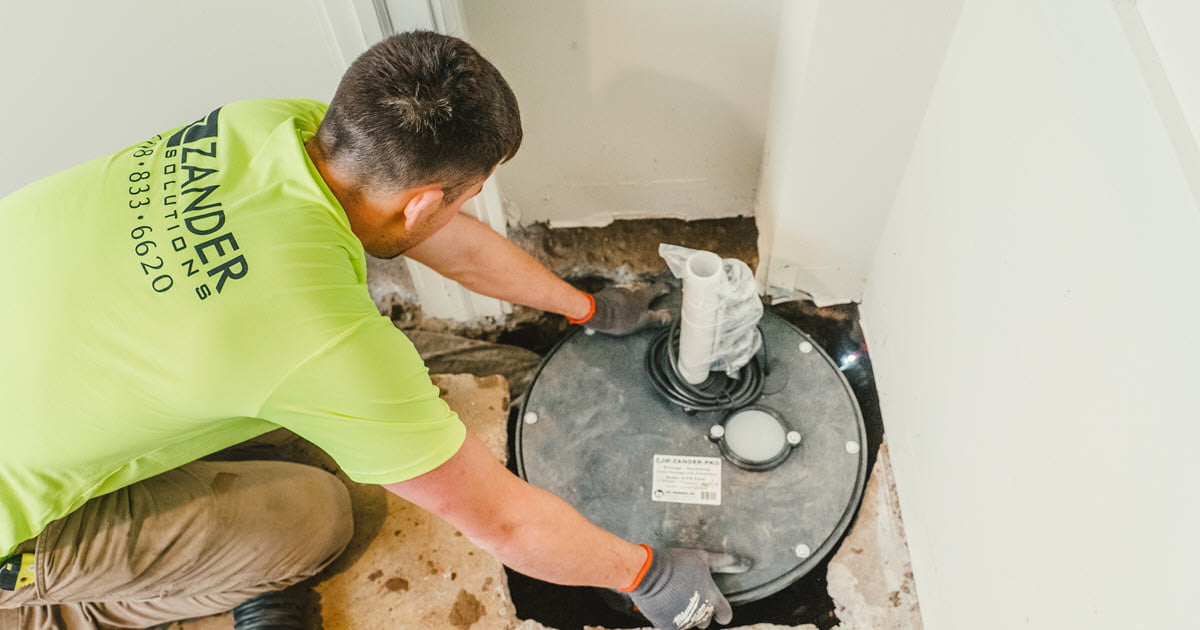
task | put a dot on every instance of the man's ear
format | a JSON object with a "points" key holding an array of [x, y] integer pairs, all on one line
{"points": [[423, 200]]}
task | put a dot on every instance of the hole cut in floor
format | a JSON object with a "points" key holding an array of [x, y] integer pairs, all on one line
{"points": [[805, 601]]}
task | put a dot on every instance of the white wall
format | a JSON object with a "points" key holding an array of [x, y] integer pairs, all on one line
{"points": [[852, 80], [1172, 25], [1158, 33], [1033, 322], [81, 79], [632, 108]]}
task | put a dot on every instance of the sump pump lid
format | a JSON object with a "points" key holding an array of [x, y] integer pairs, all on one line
{"points": [[629, 461]]}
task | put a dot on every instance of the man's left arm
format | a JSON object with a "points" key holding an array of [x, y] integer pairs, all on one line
{"points": [[480, 259], [477, 257]]}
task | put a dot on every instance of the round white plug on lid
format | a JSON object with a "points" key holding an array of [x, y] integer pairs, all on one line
{"points": [[755, 436]]}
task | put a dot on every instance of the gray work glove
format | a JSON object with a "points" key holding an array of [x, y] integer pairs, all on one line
{"points": [[624, 311], [678, 591]]}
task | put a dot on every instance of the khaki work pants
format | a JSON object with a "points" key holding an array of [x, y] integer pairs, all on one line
{"points": [[194, 541]]}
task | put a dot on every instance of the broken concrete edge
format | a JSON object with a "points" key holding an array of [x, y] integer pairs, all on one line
{"points": [[870, 577], [631, 245], [622, 252]]}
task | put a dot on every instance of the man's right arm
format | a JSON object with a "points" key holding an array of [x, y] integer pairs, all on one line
{"points": [[526, 528], [538, 534]]}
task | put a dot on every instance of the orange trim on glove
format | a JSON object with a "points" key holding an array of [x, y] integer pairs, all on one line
{"points": [[637, 581], [591, 311]]}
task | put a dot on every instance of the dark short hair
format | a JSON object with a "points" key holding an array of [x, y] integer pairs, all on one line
{"points": [[421, 108]]}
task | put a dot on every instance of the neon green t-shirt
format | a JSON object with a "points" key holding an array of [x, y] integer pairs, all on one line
{"points": [[183, 295]]}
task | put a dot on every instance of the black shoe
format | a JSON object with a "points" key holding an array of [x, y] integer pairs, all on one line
{"points": [[278, 610]]}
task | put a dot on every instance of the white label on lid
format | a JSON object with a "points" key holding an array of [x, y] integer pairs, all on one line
{"points": [[686, 479]]}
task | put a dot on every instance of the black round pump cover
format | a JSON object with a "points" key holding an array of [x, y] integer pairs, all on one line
{"points": [[593, 431]]}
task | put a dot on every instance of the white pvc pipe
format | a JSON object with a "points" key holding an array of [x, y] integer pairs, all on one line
{"points": [[698, 317]]}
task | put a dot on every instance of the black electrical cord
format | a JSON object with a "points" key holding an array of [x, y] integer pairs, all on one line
{"points": [[718, 392]]}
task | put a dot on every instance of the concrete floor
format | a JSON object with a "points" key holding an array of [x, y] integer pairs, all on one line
{"points": [[406, 569]]}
